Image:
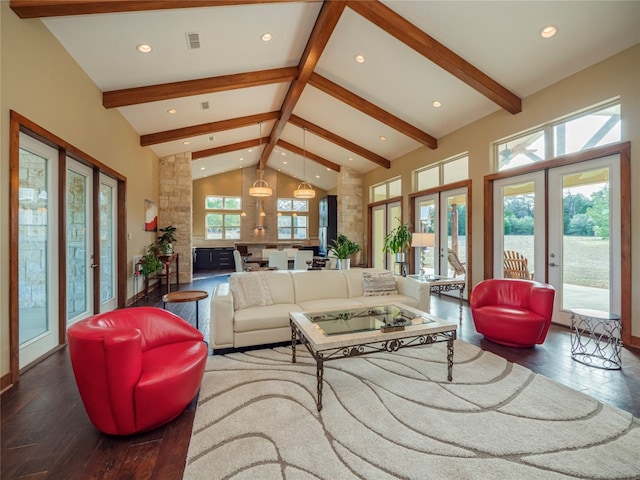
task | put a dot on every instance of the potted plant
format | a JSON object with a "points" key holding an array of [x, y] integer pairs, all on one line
{"points": [[165, 241], [342, 248], [150, 263], [398, 242]]}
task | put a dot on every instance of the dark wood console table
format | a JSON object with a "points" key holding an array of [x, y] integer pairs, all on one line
{"points": [[166, 261]]}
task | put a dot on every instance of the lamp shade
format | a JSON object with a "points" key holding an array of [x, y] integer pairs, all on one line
{"points": [[423, 239], [304, 190]]}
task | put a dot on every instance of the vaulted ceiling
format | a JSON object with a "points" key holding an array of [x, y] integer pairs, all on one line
{"points": [[240, 101]]}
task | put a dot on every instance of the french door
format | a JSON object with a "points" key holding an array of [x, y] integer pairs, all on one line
{"points": [[108, 234], [80, 248], [580, 253], [443, 214], [38, 325], [384, 218]]}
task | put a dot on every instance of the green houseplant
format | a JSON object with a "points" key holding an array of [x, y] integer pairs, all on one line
{"points": [[342, 248], [398, 241], [165, 241], [150, 263]]}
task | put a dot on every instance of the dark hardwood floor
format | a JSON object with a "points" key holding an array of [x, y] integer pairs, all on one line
{"points": [[46, 434]]}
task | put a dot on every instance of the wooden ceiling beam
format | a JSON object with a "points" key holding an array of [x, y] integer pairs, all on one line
{"points": [[232, 147], [205, 128], [342, 142], [60, 8], [311, 156], [388, 20], [368, 108], [165, 91], [322, 30]]}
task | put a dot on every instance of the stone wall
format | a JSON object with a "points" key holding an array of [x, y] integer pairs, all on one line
{"points": [[175, 207], [350, 214]]}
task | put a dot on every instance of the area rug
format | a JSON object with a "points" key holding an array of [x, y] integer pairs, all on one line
{"points": [[395, 415]]}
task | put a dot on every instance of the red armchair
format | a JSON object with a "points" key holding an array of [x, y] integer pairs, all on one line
{"points": [[516, 313], [136, 368]]}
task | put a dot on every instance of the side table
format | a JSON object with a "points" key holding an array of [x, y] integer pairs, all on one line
{"points": [[185, 296], [596, 338]]}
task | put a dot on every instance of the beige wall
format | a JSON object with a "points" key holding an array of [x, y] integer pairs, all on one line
{"points": [[231, 184], [616, 76], [40, 81]]}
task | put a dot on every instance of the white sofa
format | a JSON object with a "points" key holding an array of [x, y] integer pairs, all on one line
{"points": [[296, 290]]}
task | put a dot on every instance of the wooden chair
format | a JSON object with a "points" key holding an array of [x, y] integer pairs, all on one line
{"points": [[516, 265], [457, 266]]}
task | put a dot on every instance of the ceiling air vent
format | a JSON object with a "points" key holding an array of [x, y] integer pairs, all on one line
{"points": [[193, 40], [204, 105]]}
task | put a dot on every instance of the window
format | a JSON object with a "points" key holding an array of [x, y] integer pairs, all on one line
{"points": [[389, 189], [442, 173], [293, 219], [593, 128], [225, 222]]}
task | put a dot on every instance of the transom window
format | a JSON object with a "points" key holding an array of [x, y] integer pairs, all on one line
{"points": [[447, 171], [222, 217], [293, 219], [389, 189], [594, 128]]}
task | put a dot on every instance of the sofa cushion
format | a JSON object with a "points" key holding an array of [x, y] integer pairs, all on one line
{"points": [[263, 318], [280, 286], [320, 285], [249, 289], [379, 283]]}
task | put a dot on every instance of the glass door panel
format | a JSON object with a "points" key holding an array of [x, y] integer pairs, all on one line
{"points": [[394, 219], [107, 236], [426, 257], [37, 250], [378, 229], [453, 236], [584, 237], [80, 259], [519, 226]]}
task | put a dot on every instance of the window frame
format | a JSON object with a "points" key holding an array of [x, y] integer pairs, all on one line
{"points": [[224, 212], [291, 212]]}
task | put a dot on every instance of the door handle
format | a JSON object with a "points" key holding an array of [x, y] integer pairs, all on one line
{"points": [[553, 264], [94, 265]]}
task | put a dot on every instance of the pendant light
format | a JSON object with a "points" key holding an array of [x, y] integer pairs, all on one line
{"points": [[304, 190], [260, 188]]}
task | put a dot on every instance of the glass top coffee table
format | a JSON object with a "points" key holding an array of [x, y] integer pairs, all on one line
{"points": [[351, 332]]}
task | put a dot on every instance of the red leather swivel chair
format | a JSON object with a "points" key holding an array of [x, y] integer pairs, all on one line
{"points": [[516, 313], [136, 368]]}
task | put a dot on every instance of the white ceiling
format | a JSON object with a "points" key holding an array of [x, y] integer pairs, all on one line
{"points": [[500, 38]]}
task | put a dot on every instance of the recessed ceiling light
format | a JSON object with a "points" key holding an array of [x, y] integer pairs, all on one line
{"points": [[317, 176], [250, 150], [548, 31], [266, 36], [241, 158], [350, 159], [144, 48], [186, 142], [283, 153], [328, 169], [202, 168], [360, 58], [284, 163], [383, 138], [171, 111], [436, 104]]}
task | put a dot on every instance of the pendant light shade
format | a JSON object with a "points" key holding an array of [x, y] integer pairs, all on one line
{"points": [[260, 188], [304, 190]]}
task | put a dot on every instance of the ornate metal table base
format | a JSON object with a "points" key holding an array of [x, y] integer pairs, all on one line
{"points": [[448, 287], [596, 339], [392, 345]]}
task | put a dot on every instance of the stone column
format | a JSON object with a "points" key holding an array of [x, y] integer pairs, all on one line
{"points": [[350, 214], [175, 207]]}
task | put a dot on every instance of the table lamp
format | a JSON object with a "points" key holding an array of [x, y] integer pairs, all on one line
{"points": [[422, 240]]}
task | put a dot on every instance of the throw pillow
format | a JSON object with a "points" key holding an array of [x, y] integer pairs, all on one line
{"points": [[379, 283], [249, 290]]}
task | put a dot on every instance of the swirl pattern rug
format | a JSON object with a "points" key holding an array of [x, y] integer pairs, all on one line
{"points": [[395, 415]]}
